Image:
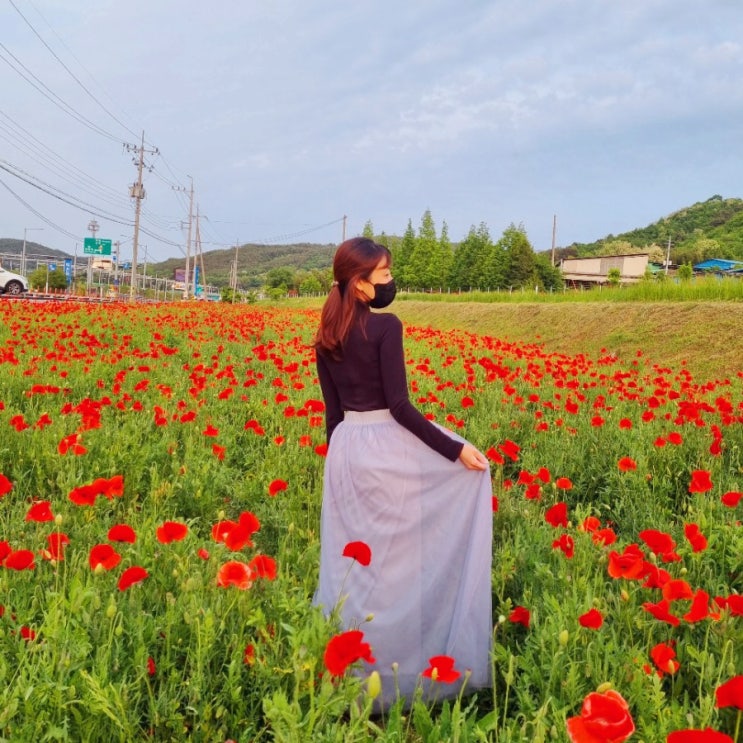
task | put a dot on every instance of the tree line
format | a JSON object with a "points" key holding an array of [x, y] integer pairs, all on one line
{"points": [[423, 260]]}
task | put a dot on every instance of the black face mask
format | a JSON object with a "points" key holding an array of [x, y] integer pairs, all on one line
{"points": [[383, 295]]}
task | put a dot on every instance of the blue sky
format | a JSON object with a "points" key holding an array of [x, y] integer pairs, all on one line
{"points": [[290, 114]]}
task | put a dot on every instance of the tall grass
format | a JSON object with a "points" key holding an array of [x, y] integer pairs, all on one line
{"points": [[699, 288]]}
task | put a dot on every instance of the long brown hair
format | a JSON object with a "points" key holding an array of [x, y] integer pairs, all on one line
{"points": [[355, 259]]}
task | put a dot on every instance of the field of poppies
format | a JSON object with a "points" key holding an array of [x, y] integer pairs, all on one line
{"points": [[160, 491]]}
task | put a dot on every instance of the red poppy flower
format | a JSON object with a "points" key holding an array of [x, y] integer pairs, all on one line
{"points": [[236, 574], [467, 402], [700, 481], [441, 669], [203, 553], [676, 589], [122, 533], [732, 498], [219, 451], [520, 615], [84, 495], [359, 551], [564, 483], [495, 456], [40, 511], [249, 654], [321, 450], [171, 531], [626, 464], [592, 619], [664, 657], [604, 537], [730, 694], [345, 649], [151, 668], [658, 541], [661, 612], [105, 556], [130, 576], [655, 577], [263, 566], [28, 634], [5, 485], [557, 515], [694, 536], [510, 449], [628, 565], [566, 544], [20, 560], [699, 607], [277, 486], [625, 424], [56, 542], [708, 735], [604, 718]]}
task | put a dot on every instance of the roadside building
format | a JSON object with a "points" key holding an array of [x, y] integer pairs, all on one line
{"points": [[594, 270]]}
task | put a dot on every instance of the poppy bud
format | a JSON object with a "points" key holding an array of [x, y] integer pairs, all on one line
{"points": [[99, 568], [111, 610], [684, 571], [563, 637], [58, 519], [604, 687], [624, 595], [374, 685], [501, 619], [369, 617]]}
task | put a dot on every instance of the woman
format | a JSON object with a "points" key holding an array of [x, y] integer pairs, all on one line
{"points": [[418, 495]]}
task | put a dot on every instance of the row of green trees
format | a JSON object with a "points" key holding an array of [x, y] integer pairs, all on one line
{"points": [[427, 261]]}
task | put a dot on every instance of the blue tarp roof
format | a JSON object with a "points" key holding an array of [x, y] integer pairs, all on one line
{"points": [[719, 264]]}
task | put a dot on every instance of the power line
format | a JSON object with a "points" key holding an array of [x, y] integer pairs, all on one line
{"points": [[68, 70], [48, 93], [39, 214]]}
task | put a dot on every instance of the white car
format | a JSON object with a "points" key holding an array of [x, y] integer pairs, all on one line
{"points": [[12, 283]]}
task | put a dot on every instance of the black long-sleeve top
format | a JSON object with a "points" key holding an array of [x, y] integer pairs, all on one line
{"points": [[371, 376]]}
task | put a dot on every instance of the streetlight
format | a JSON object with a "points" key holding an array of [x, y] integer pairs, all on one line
{"points": [[23, 250]]}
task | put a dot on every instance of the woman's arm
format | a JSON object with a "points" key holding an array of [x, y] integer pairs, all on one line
{"points": [[395, 386], [333, 412]]}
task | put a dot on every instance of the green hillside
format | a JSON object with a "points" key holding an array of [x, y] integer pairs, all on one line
{"points": [[254, 261], [707, 229]]}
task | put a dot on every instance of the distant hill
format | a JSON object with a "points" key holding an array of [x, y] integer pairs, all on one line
{"points": [[10, 246], [707, 229], [254, 261]]}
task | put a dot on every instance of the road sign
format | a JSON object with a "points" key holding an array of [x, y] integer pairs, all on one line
{"points": [[96, 246]]}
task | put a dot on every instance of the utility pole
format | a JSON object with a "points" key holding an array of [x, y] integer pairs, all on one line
{"points": [[668, 254], [137, 193], [344, 228], [234, 272], [93, 227], [199, 252], [188, 240], [117, 245], [554, 233]]}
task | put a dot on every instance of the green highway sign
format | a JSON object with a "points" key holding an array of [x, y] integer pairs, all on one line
{"points": [[96, 246]]}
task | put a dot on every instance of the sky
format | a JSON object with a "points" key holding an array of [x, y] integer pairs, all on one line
{"points": [[286, 116]]}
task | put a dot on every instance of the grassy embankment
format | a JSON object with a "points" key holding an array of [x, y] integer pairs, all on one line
{"points": [[699, 326]]}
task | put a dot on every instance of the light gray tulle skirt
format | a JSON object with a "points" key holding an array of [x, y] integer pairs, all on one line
{"points": [[429, 525]]}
